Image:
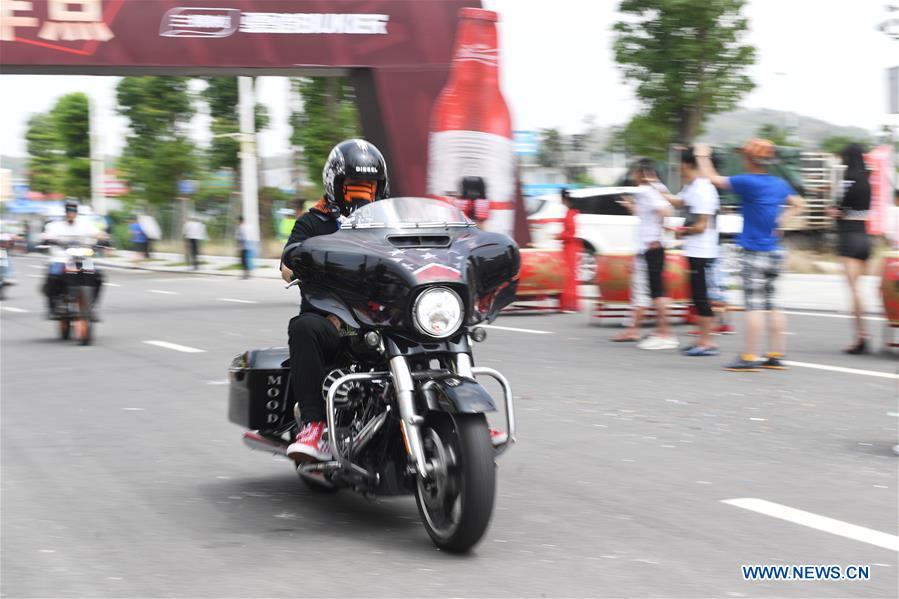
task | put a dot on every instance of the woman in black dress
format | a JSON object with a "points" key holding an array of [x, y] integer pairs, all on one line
{"points": [[854, 245]]}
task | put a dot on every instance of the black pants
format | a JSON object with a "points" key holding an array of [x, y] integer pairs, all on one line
{"points": [[655, 265], [699, 288], [314, 343], [245, 261], [193, 250]]}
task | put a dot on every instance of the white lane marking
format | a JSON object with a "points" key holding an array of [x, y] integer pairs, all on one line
{"points": [[493, 326], [836, 527], [111, 285], [12, 309], [38, 266], [133, 409], [35, 276], [222, 382], [824, 315], [877, 373], [896, 414], [163, 291], [182, 348], [236, 301]]}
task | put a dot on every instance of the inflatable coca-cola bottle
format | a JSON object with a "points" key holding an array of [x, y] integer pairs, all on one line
{"points": [[471, 130]]}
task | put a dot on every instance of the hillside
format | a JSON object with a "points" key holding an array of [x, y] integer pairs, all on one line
{"points": [[739, 125]]}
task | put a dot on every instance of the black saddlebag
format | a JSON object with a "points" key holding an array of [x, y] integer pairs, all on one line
{"points": [[258, 394]]}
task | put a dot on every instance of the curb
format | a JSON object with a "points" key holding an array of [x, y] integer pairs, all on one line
{"points": [[236, 273]]}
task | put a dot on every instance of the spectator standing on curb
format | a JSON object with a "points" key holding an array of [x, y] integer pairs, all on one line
{"points": [[647, 288], [762, 197], [243, 247], [571, 247], [138, 240], [854, 245], [700, 235], [285, 226], [194, 233]]}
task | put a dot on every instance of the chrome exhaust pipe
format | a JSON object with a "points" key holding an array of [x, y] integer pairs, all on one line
{"points": [[369, 431], [254, 440]]}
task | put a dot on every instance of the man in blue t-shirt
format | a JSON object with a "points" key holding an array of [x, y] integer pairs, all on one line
{"points": [[763, 197]]}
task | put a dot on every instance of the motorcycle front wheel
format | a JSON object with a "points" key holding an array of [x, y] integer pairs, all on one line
{"points": [[456, 501]]}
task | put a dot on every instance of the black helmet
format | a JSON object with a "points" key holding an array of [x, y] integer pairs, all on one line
{"points": [[71, 205], [353, 159]]}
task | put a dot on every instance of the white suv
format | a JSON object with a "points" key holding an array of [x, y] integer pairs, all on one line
{"points": [[603, 225]]}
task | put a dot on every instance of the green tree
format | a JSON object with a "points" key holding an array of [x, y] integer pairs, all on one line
{"points": [[779, 136], [157, 153], [643, 136], [71, 118], [223, 98], [550, 154], [329, 116], [686, 59], [46, 160]]}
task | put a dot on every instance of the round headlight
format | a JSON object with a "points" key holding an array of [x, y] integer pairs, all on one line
{"points": [[438, 312]]}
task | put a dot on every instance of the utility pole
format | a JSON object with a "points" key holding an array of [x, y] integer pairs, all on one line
{"points": [[249, 185], [98, 193]]}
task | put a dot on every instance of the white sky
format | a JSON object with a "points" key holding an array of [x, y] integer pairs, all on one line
{"points": [[821, 58]]}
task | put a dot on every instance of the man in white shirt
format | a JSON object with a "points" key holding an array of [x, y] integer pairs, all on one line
{"points": [[700, 235], [72, 230], [647, 289], [194, 233]]}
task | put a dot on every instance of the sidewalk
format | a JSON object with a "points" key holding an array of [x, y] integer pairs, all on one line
{"points": [[228, 266], [828, 293]]}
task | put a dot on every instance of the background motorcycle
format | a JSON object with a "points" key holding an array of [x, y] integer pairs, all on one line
{"points": [[411, 278], [73, 309]]}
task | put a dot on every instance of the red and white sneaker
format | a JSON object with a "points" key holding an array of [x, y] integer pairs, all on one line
{"points": [[310, 446], [498, 437]]}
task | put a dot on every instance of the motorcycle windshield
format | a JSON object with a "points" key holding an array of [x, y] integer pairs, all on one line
{"points": [[403, 213]]}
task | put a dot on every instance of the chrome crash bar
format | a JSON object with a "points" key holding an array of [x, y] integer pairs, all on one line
{"points": [[507, 395], [330, 408]]}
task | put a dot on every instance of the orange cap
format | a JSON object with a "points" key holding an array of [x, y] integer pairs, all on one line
{"points": [[758, 150]]}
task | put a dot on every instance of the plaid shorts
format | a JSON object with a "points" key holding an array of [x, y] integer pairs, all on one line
{"points": [[714, 280], [759, 271]]}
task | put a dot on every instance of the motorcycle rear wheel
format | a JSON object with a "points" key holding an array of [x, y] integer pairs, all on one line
{"points": [[456, 502]]}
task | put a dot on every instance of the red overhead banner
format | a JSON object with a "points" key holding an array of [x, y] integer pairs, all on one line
{"points": [[397, 52], [227, 34]]}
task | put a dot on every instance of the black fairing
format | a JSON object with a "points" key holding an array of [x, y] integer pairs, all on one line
{"points": [[370, 277]]}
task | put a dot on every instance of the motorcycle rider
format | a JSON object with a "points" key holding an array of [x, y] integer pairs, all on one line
{"points": [[71, 229], [354, 175]]}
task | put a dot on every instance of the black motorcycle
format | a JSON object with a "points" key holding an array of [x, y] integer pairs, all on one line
{"points": [[412, 278], [73, 308]]}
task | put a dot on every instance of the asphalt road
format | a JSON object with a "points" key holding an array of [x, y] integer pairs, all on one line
{"points": [[121, 476]]}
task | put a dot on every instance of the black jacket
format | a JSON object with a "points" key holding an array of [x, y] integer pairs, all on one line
{"points": [[858, 195], [311, 224]]}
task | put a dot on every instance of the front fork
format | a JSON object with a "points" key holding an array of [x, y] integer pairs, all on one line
{"points": [[411, 421]]}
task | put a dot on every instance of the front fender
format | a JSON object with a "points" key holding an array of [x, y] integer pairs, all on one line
{"points": [[456, 394]]}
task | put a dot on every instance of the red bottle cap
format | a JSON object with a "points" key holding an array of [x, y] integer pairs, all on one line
{"points": [[478, 13]]}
